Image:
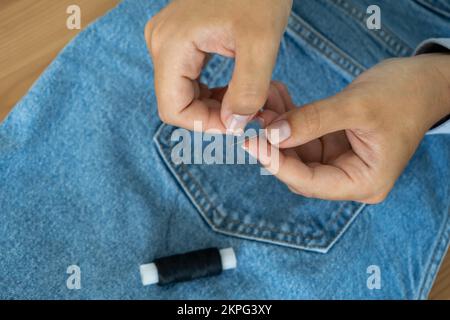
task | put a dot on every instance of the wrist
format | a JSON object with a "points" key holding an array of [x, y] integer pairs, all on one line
{"points": [[443, 72], [435, 78]]}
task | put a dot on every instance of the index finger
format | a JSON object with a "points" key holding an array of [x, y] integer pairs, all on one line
{"points": [[176, 69], [315, 180]]}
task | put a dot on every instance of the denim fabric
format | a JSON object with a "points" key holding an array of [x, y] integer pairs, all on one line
{"points": [[87, 178]]}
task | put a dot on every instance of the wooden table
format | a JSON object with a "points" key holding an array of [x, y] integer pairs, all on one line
{"points": [[31, 34]]}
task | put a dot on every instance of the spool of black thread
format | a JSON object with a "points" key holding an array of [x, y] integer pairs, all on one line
{"points": [[188, 266]]}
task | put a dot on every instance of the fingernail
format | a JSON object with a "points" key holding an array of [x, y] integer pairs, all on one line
{"points": [[278, 132], [237, 123]]}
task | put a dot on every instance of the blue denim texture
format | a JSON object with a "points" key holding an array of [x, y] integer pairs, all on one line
{"points": [[87, 178]]}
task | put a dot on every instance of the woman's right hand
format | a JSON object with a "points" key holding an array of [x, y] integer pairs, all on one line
{"points": [[354, 145], [182, 35]]}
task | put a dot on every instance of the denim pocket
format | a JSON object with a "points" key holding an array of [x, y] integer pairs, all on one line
{"points": [[441, 7], [237, 200]]}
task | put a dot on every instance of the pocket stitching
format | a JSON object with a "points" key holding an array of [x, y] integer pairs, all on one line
{"points": [[384, 35], [205, 211], [433, 7], [251, 225], [299, 28]]}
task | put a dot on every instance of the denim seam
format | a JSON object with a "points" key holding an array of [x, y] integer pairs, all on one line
{"points": [[299, 28], [216, 227], [436, 259], [192, 187], [347, 225], [432, 5], [251, 225], [239, 222], [390, 41]]}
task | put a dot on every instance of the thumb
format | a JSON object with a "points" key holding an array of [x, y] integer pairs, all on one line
{"points": [[249, 87], [310, 122]]}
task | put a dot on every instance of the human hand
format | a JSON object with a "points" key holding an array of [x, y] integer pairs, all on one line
{"points": [[179, 39], [354, 145]]}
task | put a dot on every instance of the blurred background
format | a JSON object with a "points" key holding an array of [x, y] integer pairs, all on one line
{"points": [[32, 32]]}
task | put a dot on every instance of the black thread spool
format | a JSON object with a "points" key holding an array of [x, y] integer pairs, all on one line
{"points": [[188, 266]]}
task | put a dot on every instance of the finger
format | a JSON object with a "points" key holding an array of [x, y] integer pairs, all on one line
{"points": [[249, 86], [273, 108], [285, 95], [311, 151], [315, 180], [266, 117], [204, 91], [181, 100], [312, 121], [334, 145], [325, 149], [218, 93], [275, 101], [278, 102]]}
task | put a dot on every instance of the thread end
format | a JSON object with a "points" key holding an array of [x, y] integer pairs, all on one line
{"points": [[149, 274], [228, 258]]}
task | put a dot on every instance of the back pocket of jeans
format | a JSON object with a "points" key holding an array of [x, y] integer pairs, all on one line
{"points": [[238, 201]]}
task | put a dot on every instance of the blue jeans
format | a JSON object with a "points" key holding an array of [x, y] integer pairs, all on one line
{"points": [[87, 177]]}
